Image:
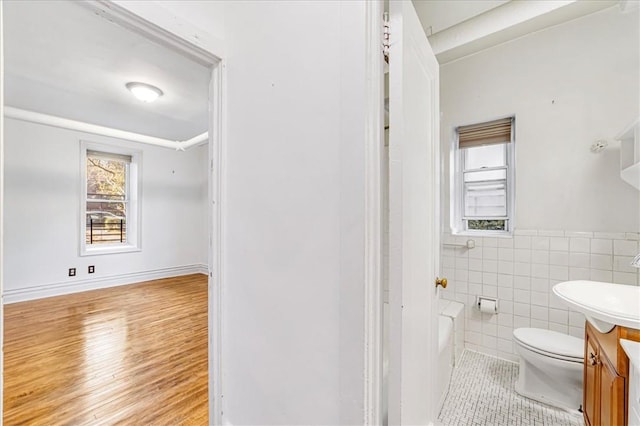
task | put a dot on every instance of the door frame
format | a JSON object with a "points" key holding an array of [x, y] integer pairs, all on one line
{"points": [[373, 182], [1, 210], [402, 15], [158, 24]]}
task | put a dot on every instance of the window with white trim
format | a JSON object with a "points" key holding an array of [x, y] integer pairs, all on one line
{"points": [[483, 181], [110, 200]]}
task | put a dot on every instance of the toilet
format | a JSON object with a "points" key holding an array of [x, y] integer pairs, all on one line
{"points": [[551, 366]]}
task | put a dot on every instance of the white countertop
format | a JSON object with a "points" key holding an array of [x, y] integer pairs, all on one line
{"points": [[632, 349], [605, 305]]}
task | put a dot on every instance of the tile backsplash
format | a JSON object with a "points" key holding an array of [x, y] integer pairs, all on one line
{"points": [[521, 271]]}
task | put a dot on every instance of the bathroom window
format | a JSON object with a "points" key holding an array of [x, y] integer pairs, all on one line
{"points": [[109, 207], [482, 185]]}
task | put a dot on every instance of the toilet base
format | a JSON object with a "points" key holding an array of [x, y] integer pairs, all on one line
{"points": [[545, 400], [551, 389]]}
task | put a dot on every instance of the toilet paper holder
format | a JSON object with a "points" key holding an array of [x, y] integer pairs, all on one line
{"points": [[488, 301]]}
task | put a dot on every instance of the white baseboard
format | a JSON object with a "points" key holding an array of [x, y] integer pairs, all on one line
{"points": [[61, 288]]}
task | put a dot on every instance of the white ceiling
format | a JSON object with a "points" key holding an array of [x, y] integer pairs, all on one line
{"points": [[62, 59], [467, 27], [438, 15]]}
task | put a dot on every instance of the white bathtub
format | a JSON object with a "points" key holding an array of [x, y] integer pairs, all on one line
{"points": [[450, 346], [445, 356], [450, 343]]}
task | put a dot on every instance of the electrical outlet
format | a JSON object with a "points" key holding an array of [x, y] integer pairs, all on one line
{"points": [[92, 269], [72, 272]]}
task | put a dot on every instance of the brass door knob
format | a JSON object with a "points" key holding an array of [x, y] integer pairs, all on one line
{"points": [[441, 282]]}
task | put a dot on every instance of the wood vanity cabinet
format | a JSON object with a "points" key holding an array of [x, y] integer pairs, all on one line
{"points": [[606, 376]]}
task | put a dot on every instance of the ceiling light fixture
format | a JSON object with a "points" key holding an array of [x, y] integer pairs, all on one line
{"points": [[144, 92]]}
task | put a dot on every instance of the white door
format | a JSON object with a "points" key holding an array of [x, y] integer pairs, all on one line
{"points": [[413, 216]]}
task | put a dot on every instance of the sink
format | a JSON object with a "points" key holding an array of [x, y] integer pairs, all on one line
{"points": [[605, 305]]}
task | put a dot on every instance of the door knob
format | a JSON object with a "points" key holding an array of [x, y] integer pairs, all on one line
{"points": [[442, 282]]}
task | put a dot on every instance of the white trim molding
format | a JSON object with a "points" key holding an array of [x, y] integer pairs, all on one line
{"points": [[374, 142], [81, 126], [217, 225], [75, 286], [158, 23]]}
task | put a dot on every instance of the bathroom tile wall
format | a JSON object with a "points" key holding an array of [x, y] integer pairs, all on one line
{"points": [[521, 271]]}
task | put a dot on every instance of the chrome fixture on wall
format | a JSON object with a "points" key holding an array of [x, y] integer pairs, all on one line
{"points": [[636, 261], [469, 244]]}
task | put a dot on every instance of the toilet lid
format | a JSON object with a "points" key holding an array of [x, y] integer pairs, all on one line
{"points": [[551, 342]]}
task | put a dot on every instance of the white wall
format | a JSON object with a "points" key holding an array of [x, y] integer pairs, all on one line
{"points": [[568, 86], [206, 15], [294, 244], [42, 223]]}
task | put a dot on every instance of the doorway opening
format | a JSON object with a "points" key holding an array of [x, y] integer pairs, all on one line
{"points": [[66, 100]]}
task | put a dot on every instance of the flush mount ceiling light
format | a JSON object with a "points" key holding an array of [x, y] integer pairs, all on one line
{"points": [[144, 92]]}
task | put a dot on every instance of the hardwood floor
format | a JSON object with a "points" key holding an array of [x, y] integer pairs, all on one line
{"points": [[131, 355]]}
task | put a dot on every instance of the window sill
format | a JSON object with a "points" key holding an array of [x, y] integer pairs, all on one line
{"points": [[491, 234], [109, 249]]}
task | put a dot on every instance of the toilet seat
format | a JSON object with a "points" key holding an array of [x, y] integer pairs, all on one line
{"points": [[551, 344]]}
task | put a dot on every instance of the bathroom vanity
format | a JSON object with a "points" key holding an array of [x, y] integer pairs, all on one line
{"points": [[606, 376], [612, 313]]}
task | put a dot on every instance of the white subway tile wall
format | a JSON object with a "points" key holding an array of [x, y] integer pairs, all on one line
{"points": [[521, 272]]}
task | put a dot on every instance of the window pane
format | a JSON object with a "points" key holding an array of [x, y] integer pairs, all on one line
{"points": [[106, 210], [487, 225], [106, 179], [106, 222], [486, 199], [485, 176], [478, 157]]}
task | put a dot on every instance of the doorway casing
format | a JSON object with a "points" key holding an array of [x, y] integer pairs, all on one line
{"points": [[158, 24]]}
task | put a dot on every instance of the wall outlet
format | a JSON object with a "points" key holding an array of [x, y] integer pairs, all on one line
{"points": [[92, 269], [72, 272]]}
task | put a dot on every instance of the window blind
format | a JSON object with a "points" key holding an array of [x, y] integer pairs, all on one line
{"points": [[110, 156], [489, 133]]}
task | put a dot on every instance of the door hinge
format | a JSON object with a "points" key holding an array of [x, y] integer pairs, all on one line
{"points": [[385, 37]]}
